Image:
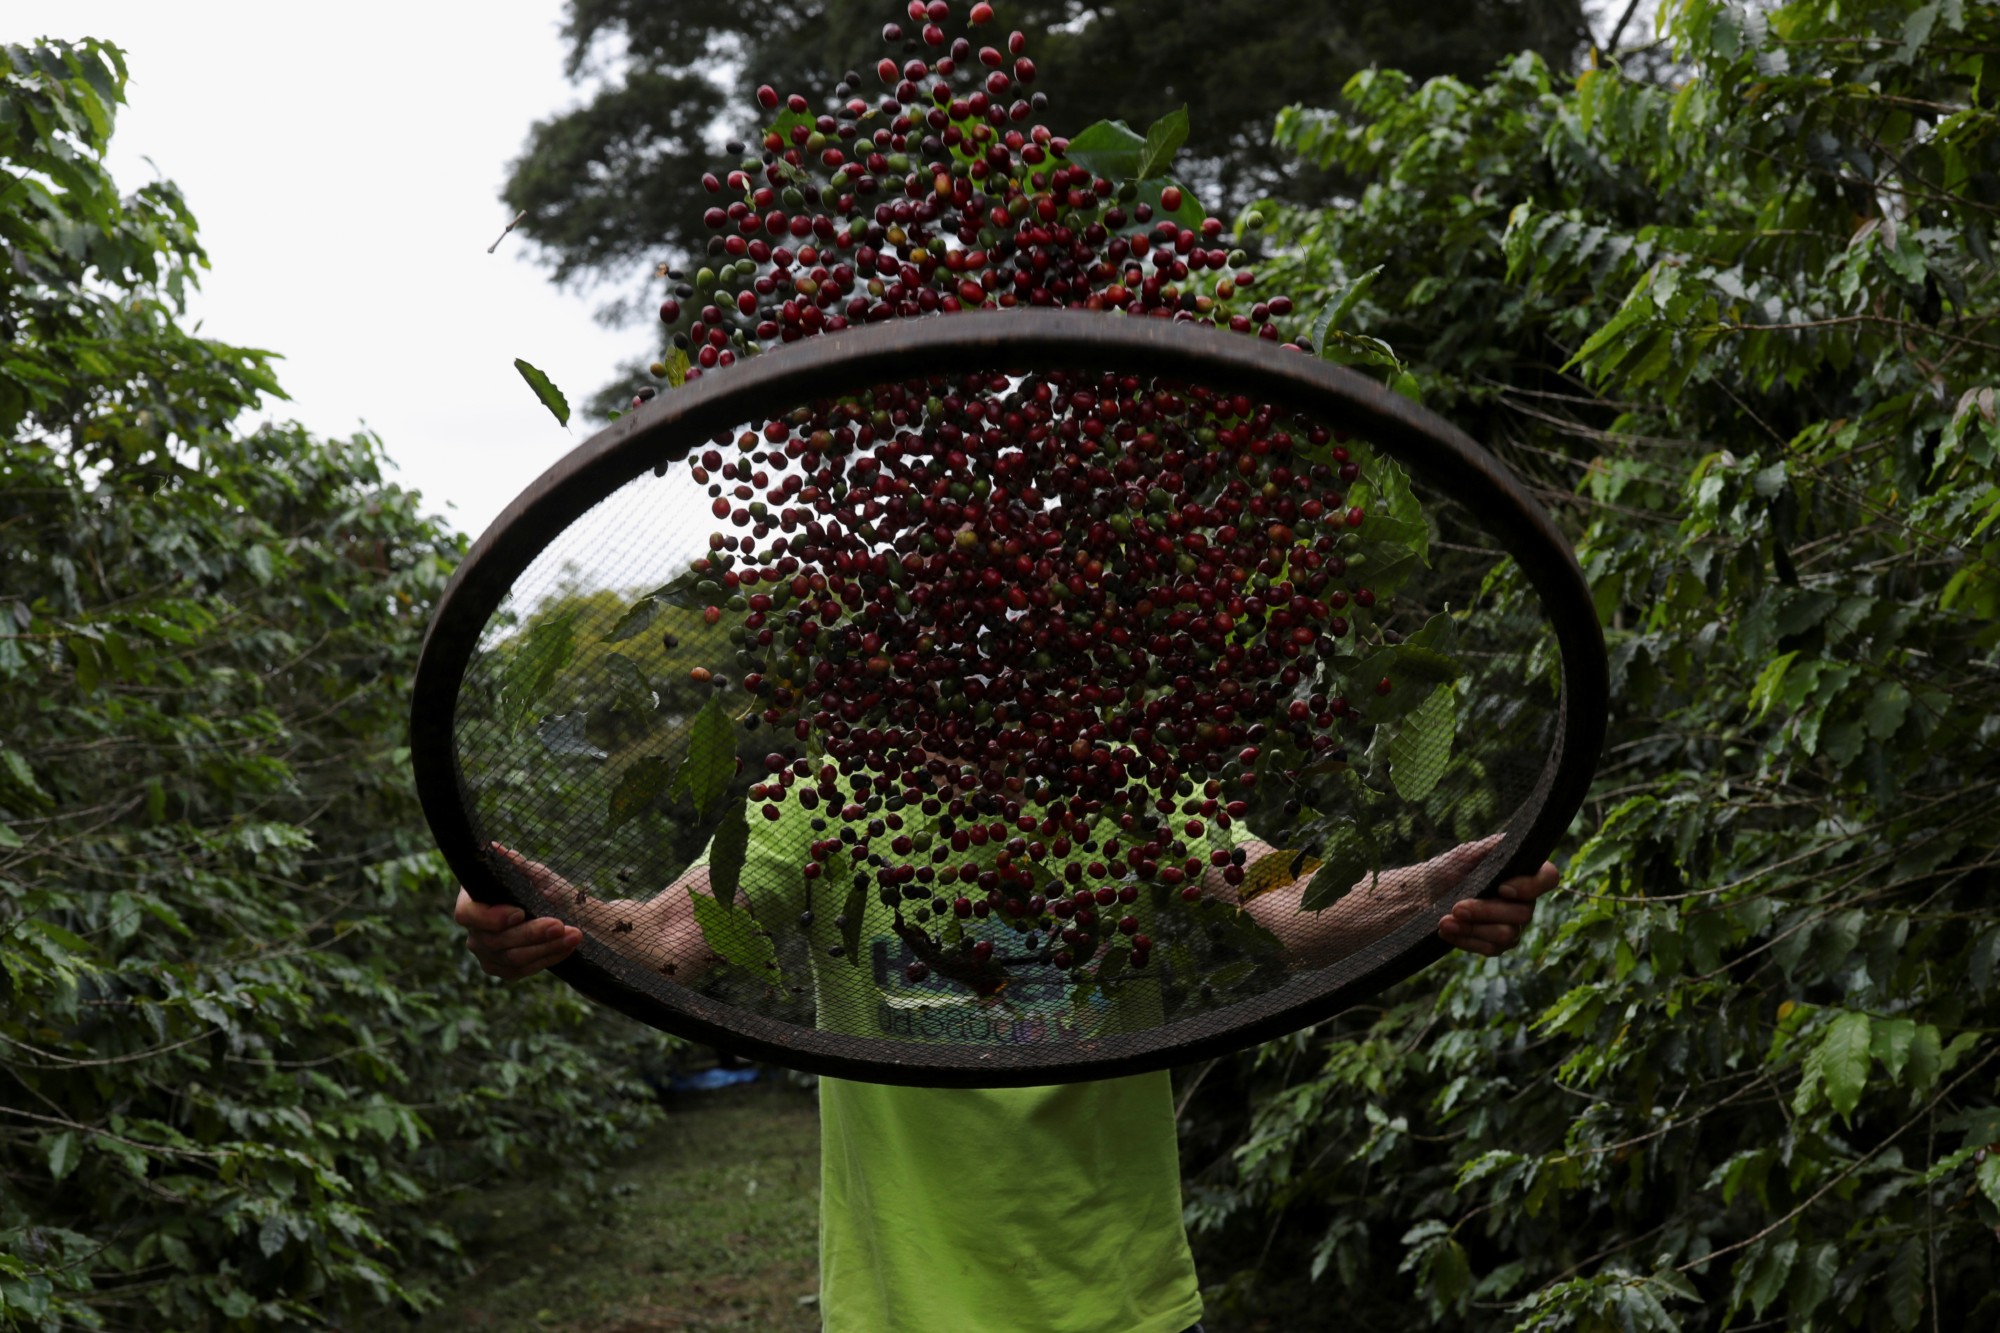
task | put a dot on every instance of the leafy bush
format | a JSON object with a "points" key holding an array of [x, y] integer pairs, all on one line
{"points": [[243, 1057], [1741, 326]]}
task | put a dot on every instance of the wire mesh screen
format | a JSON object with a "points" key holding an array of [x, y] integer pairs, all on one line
{"points": [[1024, 723]]}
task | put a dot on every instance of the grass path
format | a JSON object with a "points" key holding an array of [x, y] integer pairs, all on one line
{"points": [[711, 1225]]}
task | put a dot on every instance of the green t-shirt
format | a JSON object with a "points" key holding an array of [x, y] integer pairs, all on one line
{"points": [[1003, 1210], [1007, 1210]]}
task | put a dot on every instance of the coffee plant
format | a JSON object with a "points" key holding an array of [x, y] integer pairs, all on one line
{"points": [[245, 1060], [1738, 323]]}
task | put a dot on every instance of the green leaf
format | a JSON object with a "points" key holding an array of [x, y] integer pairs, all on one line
{"points": [[788, 120], [710, 764], [16, 774], [1926, 1058], [1396, 502], [1351, 858], [1411, 670], [1842, 1061], [1905, 1289], [1890, 1039], [735, 936], [1812, 1279], [632, 691], [683, 590], [1384, 566], [1761, 1274], [1450, 1272], [537, 657], [1887, 705], [1109, 149], [63, 1154], [852, 911], [676, 361], [636, 620], [1163, 139], [1764, 695], [1382, 530], [725, 855], [1412, 661], [1344, 300], [1988, 1177], [1422, 745], [1439, 634], [638, 787], [545, 390]]}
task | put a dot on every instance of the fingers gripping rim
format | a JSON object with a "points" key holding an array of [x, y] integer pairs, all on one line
{"points": [[668, 428]]}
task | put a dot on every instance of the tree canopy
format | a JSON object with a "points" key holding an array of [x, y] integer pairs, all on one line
{"points": [[614, 186]]}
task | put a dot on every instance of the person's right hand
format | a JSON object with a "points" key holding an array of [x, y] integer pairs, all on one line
{"points": [[506, 944]]}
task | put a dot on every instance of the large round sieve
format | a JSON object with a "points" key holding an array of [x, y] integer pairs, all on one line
{"points": [[1127, 692]]}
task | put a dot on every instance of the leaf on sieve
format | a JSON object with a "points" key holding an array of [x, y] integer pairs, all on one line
{"points": [[681, 590], [631, 688], [735, 936], [532, 666], [851, 913], [638, 787], [725, 856], [1351, 857], [710, 764], [637, 618], [1411, 669], [1423, 743]]}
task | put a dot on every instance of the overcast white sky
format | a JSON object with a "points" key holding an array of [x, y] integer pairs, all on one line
{"points": [[345, 163]]}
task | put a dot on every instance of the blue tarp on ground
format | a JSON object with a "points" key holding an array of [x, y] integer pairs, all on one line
{"points": [[709, 1079]]}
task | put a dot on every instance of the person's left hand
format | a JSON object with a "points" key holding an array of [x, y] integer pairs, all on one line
{"points": [[1492, 926]]}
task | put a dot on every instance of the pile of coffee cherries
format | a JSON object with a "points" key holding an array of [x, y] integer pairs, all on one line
{"points": [[1023, 602], [954, 200]]}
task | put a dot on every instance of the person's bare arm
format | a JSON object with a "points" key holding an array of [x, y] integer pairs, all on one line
{"points": [[660, 930], [1485, 926]]}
